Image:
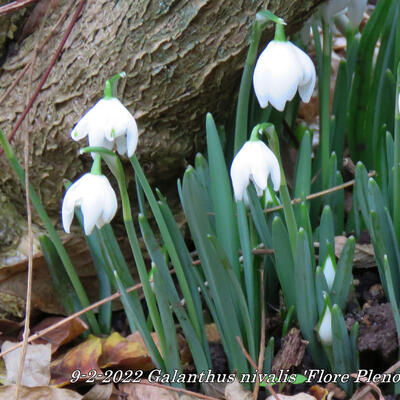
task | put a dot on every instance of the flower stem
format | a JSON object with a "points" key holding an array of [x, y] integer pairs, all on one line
{"points": [[80, 291], [324, 95], [396, 172], [283, 189], [96, 166], [140, 264], [169, 244], [242, 110], [280, 33], [111, 85]]}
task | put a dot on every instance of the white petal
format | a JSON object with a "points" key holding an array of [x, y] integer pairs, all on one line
{"points": [[132, 136], [109, 202], [307, 82], [331, 8], [121, 145], [67, 211], [240, 171], [277, 75], [91, 211], [260, 165], [72, 198], [356, 11], [270, 164], [80, 130]]}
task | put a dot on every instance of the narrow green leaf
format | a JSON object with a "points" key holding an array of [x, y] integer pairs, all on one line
{"points": [[284, 261], [221, 194], [59, 277], [326, 233], [343, 278]]}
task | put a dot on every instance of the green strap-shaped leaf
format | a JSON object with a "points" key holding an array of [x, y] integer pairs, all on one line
{"points": [[343, 278], [221, 194]]}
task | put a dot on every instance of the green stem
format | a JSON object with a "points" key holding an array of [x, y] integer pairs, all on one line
{"points": [[111, 85], [140, 264], [324, 95], [280, 33], [242, 110], [169, 243], [396, 172], [283, 189], [80, 291], [96, 166]]}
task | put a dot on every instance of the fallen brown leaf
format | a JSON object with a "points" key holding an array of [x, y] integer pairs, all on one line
{"points": [[99, 392], [137, 391], [298, 396], [338, 393], [364, 255], [61, 335], [318, 392], [83, 357], [38, 393], [36, 367], [235, 391], [130, 353]]}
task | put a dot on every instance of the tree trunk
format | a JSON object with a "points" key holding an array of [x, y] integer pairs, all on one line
{"points": [[182, 59]]}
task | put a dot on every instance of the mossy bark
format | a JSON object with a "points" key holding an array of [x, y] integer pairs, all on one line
{"points": [[182, 59]]}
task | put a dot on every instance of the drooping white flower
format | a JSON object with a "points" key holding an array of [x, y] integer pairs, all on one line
{"points": [[355, 9], [254, 162], [97, 199], [325, 327], [329, 270], [280, 71], [107, 123]]}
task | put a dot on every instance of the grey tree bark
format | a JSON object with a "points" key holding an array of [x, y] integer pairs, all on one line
{"points": [[182, 59]]}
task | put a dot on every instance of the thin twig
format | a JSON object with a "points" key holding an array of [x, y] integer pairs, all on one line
{"points": [[14, 6], [28, 65], [253, 364], [28, 303], [370, 385], [319, 194], [311, 196], [48, 70], [262, 334], [51, 328], [366, 389], [174, 389]]}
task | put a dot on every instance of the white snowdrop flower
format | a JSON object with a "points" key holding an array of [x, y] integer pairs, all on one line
{"points": [[106, 123], [355, 9], [325, 327], [254, 162], [97, 199], [280, 71], [329, 270]]}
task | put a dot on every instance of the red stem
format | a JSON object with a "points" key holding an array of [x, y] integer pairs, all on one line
{"points": [[14, 6]]}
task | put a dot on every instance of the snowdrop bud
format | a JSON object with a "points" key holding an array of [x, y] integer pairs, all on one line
{"points": [[329, 270], [281, 70], [325, 327], [97, 199], [254, 162]]}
